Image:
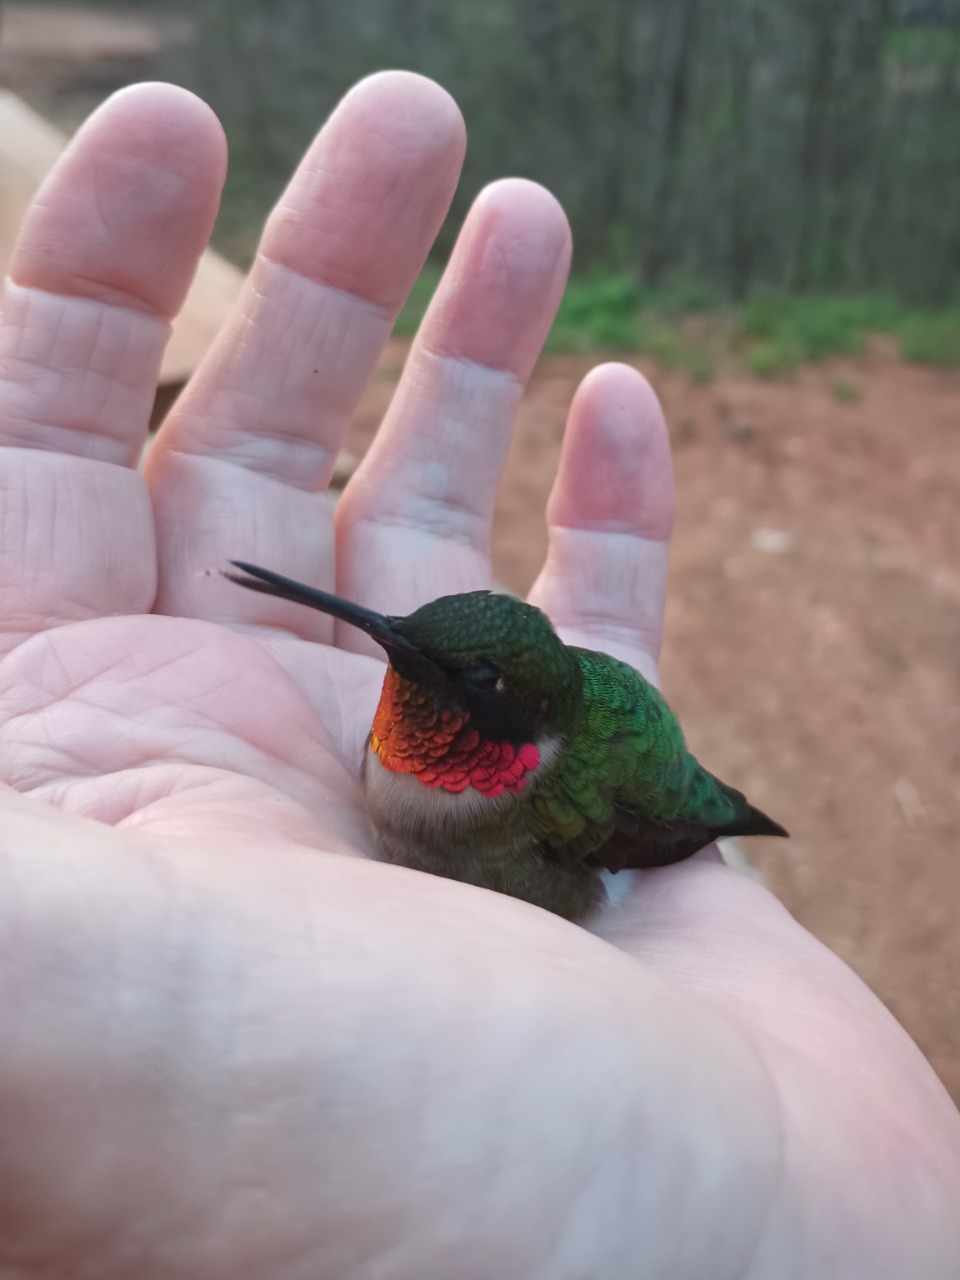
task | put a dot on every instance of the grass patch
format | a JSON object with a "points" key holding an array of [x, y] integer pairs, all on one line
{"points": [[699, 365], [931, 338], [773, 358], [845, 391], [814, 328], [598, 313], [772, 334], [780, 333], [408, 321]]}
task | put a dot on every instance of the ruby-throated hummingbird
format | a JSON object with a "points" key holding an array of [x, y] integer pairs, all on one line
{"points": [[505, 758]]}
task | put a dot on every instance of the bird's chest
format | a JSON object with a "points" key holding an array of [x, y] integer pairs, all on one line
{"points": [[492, 842], [416, 824]]}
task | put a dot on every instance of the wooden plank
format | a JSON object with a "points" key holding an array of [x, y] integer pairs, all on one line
{"points": [[29, 147]]}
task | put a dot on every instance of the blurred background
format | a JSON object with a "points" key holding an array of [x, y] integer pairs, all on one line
{"points": [[765, 197]]}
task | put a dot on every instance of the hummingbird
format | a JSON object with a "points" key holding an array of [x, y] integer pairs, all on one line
{"points": [[502, 757]]}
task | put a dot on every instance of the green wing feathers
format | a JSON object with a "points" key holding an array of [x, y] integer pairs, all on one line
{"points": [[628, 791], [635, 742]]}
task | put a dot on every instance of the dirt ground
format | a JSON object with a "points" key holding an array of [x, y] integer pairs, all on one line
{"points": [[813, 638]]}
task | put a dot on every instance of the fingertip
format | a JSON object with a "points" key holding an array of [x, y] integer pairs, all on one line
{"points": [[505, 279], [408, 106], [176, 130], [524, 228], [534, 208], [171, 128], [610, 515], [387, 162], [167, 108], [616, 473], [130, 205]]}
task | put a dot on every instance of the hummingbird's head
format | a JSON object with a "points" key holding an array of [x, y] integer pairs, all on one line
{"points": [[495, 657], [477, 683]]}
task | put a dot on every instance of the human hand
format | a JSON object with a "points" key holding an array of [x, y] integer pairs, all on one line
{"points": [[235, 1046]]}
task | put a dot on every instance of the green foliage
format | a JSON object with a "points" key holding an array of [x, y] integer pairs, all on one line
{"points": [[784, 332], [666, 339], [598, 312], [699, 364], [615, 314], [931, 337], [923, 46], [845, 391], [416, 305], [772, 358], [683, 295], [814, 327], [774, 334], [788, 169], [712, 148]]}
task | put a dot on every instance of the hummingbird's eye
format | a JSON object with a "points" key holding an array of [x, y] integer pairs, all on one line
{"points": [[484, 678]]}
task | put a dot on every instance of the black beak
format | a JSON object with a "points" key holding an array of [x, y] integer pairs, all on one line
{"points": [[403, 655]]}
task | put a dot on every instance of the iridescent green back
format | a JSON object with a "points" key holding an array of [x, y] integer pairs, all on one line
{"points": [[627, 751]]}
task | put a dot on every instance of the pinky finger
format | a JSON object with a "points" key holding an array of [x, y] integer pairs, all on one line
{"points": [[610, 517]]}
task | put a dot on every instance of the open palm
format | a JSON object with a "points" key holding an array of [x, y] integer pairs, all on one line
{"points": [[235, 1046]]}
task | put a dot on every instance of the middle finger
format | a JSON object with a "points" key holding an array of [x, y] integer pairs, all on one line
{"points": [[414, 521]]}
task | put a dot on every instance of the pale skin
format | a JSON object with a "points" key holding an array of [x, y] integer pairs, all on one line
{"points": [[235, 1046]]}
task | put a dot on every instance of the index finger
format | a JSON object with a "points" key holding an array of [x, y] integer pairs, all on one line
{"points": [[105, 258]]}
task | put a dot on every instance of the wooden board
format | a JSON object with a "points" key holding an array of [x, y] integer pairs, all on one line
{"points": [[29, 147]]}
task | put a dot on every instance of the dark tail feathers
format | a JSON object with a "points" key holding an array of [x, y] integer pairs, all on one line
{"points": [[754, 824]]}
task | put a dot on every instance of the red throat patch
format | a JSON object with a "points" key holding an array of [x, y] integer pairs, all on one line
{"points": [[412, 734]]}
